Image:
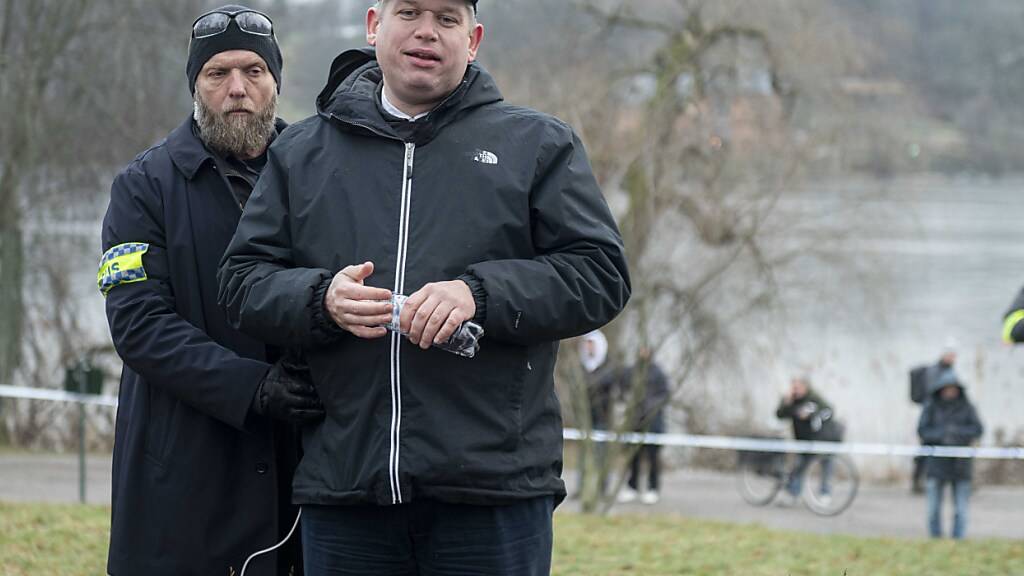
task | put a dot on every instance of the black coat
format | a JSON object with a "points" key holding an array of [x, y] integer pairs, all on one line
{"points": [[651, 400], [480, 188], [949, 423], [820, 423], [602, 385], [195, 477]]}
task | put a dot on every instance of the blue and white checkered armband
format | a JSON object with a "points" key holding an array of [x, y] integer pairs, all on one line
{"points": [[122, 264]]}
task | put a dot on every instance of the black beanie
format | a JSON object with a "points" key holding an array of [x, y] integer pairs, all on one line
{"points": [[202, 49]]}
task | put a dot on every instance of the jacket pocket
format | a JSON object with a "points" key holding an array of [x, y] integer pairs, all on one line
{"points": [[514, 366], [466, 408], [515, 403], [161, 426]]}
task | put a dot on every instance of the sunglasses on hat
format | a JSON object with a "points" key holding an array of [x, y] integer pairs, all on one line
{"points": [[216, 22]]}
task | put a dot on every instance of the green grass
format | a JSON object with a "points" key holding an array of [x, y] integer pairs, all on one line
{"points": [[651, 546], [53, 539], [72, 541]]}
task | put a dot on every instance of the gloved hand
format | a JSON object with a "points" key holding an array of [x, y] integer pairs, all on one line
{"points": [[287, 394]]}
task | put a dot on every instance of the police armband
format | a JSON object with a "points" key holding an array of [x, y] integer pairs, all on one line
{"points": [[122, 264]]}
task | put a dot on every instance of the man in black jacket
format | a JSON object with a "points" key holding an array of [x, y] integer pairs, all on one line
{"points": [[813, 420], [949, 419], [416, 179], [203, 446], [922, 382], [601, 380], [646, 389]]}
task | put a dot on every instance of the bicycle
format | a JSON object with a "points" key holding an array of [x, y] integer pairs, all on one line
{"points": [[830, 481]]}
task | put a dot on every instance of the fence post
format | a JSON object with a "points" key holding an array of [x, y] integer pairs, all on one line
{"points": [[81, 375]]}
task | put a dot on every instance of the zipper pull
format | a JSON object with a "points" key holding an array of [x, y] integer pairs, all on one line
{"points": [[409, 149]]}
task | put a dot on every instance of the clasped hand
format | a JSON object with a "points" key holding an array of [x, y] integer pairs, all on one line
{"points": [[430, 315]]}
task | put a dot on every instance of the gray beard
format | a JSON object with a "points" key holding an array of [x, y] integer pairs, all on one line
{"points": [[235, 136]]}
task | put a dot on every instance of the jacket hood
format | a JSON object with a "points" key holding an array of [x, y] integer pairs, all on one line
{"points": [[593, 361], [945, 378], [350, 95]]}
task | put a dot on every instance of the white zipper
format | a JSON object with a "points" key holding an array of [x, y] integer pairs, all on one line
{"points": [[396, 339]]}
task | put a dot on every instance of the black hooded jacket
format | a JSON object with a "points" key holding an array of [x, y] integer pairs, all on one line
{"points": [[818, 424], [498, 195], [949, 423]]}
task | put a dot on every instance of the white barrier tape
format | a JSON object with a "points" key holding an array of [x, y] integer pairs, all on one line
{"points": [[55, 395], [679, 440], [797, 446]]}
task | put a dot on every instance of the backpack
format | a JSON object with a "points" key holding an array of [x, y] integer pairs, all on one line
{"points": [[919, 384]]}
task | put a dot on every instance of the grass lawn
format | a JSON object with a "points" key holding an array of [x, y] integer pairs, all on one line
{"points": [[66, 539], [72, 540], [666, 545]]}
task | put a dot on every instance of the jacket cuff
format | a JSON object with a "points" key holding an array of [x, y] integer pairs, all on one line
{"points": [[476, 286], [323, 324]]}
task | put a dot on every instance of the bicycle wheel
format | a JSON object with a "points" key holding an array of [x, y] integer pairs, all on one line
{"points": [[830, 484], [760, 476]]}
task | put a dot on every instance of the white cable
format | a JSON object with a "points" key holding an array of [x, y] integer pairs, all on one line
{"points": [[275, 546]]}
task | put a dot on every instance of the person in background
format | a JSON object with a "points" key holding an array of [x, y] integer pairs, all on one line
{"points": [[949, 419], [648, 394], [922, 379], [813, 420], [600, 379]]}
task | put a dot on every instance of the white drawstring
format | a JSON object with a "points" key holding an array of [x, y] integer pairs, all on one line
{"points": [[275, 546]]}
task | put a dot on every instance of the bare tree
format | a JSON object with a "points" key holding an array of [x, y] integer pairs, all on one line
{"points": [[82, 88], [698, 138]]}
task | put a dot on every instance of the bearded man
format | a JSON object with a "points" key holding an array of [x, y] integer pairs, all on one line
{"points": [[205, 444]]}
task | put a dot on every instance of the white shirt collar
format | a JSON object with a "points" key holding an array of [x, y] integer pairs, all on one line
{"points": [[394, 111]]}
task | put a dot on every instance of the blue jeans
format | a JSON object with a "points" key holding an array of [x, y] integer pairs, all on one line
{"points": [[796, 477], [428, 538], [961, 496]]}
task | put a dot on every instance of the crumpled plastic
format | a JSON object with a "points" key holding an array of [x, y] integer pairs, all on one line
{"points": [[465, 341]]}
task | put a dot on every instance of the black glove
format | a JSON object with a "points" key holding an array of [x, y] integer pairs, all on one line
{"points": [[287, 394]]}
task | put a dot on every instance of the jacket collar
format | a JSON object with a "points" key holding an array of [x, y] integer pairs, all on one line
{"points": [[186, 149], [350, 96], [189, 153]]}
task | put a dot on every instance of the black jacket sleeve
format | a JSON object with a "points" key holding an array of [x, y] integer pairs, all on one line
{"points": [[262, 291], [785, 410], [1013, 320], [578, 279], [150, 336], [929, 429]]}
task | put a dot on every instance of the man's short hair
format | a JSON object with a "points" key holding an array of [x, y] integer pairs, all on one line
{"points": [[381, 3]]}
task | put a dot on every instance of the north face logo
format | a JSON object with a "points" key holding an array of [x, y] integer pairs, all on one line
{"points": [[485, 157]]}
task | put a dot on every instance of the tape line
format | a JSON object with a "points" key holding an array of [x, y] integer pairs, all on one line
{"points": [[676, 440]]}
